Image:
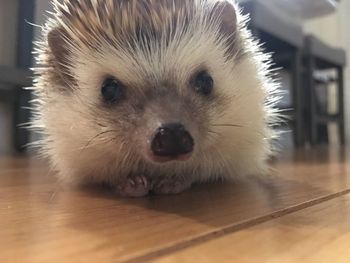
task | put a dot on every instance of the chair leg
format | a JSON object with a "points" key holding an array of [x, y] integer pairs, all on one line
{"points": [[312, 110], [21, 116], [341, 104], [299, 138], [26, 12]]}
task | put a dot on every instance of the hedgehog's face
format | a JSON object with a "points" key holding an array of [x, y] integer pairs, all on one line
{"points": [[161, 106], [165, 86], [158, 116]]}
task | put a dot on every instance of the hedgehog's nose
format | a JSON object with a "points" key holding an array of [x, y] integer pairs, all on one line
{"points": [[172, 142]]}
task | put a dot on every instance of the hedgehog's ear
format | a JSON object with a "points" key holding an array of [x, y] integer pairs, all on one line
{"points": [[225, 12], [57, 44], [60, 50]]}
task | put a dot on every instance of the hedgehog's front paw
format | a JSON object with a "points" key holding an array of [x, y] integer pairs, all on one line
{"points": [[133, 186], [171, 185]]}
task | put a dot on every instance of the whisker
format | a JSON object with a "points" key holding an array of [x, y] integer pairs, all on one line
{"points": [[238, 126], [213, 132], [227, 125], [95, 137]]}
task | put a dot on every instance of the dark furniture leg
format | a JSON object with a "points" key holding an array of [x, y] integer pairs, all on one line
{"points": [[311, 87], [24, 61], [299, 139], [21, 117], [340, 85]]}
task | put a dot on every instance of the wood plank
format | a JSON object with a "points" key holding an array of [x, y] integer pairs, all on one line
{"points": [[42, 221], [317, 234]]}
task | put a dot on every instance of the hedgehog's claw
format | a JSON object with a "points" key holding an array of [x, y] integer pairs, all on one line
{"points": [[171, 185], [133, 186]]}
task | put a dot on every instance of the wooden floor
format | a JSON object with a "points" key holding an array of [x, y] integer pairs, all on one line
{"points": [[300, 213]]}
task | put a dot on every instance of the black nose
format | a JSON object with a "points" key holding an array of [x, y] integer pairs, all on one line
{"points": [[172, 140]]}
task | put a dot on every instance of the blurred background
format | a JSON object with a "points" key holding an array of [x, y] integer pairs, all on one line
{"points": [[309, 40]]}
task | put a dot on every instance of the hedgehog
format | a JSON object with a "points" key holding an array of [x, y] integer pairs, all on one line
{"points": [[152, 96]]}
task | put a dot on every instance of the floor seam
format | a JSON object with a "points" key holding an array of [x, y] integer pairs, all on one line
{"points": [[148, 256]]}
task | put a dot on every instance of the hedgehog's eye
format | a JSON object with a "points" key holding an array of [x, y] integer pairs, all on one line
{"points": [[203, 83], [112, 90]]}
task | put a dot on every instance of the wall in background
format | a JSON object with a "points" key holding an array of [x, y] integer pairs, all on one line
{"points": [[8, 31], [334, 29], [8, 37]]}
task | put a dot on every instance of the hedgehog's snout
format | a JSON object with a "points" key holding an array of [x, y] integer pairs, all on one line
{"points": [[170, 142]]}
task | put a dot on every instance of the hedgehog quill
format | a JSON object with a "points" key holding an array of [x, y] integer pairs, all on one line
{"points": [[152, 96]]}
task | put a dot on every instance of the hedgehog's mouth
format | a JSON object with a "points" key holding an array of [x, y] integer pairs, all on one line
{"points": [[166, 159], [170, 142]]}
